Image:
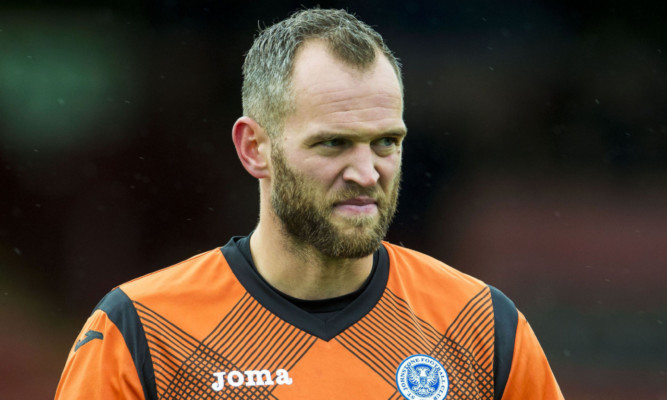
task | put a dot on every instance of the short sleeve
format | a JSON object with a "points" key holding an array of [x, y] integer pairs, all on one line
{"points": [[530, 375], [99, 365], [110, 358]]}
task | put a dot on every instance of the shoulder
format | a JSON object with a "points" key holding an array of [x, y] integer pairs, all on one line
{"points": [[188, 276], [435, 291], [414, 265], [191, 294], [439, 278], [119, 302]]}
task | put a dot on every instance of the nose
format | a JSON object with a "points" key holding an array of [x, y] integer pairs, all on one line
{"points": [[360, 168]]}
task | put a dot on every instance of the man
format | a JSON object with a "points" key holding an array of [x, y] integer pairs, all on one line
{"points": [[313, 304]]}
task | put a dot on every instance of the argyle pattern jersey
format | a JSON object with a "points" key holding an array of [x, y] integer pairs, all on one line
{"points": [[211, 328]]}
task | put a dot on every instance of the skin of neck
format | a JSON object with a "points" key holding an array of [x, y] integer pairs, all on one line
{"points": [[297, 269]]}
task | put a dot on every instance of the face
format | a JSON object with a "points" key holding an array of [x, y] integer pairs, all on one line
{"points": [[336, 167]]}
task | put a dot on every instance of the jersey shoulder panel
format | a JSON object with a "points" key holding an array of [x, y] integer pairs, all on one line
{"points": [[506, 321], [413, 270], [204, 283], [530, 375], [181, 274], [109, 341]]}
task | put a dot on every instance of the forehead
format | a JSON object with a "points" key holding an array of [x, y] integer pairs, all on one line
{"points": [[329, 91]]}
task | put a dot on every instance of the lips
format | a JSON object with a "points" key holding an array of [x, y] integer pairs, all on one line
{"points": [[357, 205]]}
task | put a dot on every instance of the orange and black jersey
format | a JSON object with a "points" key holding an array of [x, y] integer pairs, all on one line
{"points": [[211, 327]]}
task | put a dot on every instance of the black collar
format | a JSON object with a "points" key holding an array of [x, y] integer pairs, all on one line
{"points": [[322, 318]]}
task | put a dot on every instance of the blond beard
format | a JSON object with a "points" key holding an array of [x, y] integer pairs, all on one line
{"points": [[307, 220]]}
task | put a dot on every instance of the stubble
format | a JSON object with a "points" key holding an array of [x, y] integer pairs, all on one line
{"points": [[306, 216]]}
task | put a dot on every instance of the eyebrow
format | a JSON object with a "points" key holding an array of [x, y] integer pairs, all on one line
{"points": [[327, 135]]}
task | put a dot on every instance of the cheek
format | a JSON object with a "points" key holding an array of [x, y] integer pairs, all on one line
{"points": [[320, 171], [389, 168], [318, 178]]}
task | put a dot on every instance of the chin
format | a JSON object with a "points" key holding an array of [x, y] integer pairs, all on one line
{"points": [[356, 222]]}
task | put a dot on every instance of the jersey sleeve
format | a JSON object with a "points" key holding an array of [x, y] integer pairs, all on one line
{"points": [[109, 359], [530, 376]]}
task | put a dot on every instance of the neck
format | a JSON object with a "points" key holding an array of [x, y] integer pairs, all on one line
{"points": [[301, 271]]}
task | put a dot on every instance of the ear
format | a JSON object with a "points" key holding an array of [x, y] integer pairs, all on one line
{"points": [[252, 146]]}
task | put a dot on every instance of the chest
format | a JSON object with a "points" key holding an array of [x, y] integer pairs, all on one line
{"points": [[253, 354]]}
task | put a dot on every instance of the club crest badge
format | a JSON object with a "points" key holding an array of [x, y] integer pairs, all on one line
{"points": [[421, 377]]}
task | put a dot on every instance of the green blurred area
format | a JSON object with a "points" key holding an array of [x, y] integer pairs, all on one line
{"points": [[61, 77]]}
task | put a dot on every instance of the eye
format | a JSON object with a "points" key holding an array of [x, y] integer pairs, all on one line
{"points": [[387, 141], [332, 143], [386, 145]]}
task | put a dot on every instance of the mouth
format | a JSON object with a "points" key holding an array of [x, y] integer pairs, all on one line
{"points": [[361, 205]]}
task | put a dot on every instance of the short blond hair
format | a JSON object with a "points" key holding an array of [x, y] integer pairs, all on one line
{"points": [[267, 70]]}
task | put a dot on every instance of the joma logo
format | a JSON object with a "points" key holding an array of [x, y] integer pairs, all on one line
{"points": [[250, 378]]}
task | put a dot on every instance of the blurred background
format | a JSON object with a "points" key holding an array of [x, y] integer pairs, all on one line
{"points": [[536, 160]]}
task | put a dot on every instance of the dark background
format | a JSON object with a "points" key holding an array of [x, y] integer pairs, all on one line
{"points": [[536, 160]]}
